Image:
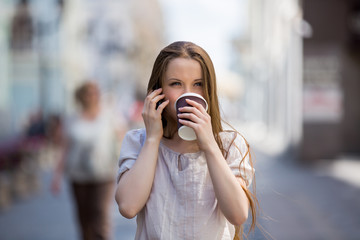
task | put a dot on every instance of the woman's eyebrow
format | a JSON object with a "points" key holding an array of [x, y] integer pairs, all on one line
{"points": [[177, 79], [173, 79]]}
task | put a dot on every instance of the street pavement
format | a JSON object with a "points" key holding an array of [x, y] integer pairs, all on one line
{"points": [[303, 202], [43, 216], [296, 203]]}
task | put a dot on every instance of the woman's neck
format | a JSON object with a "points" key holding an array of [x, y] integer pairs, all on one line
{"points": [[179, 145]]}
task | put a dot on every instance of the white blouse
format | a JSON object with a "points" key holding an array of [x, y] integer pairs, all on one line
{"points": [[182, 202]]}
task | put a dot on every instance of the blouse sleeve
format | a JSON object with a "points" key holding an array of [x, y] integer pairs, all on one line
{"points": [[130, 150], [238, 158]]}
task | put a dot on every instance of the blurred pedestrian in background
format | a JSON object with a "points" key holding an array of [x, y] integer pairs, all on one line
{"points": [[89, 161]]}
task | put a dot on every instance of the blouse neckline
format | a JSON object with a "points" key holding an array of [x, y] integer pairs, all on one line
{"points": [[190, 154]]}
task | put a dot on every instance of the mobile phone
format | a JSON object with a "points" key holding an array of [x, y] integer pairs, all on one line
{"points": [[157, 86], [163, 120]]}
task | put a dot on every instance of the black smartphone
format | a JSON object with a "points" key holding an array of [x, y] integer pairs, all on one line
{"points": [[163, 120], [157, 86]]}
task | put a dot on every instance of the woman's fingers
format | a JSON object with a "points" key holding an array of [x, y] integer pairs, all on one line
{"points": [[189, 116], [155, 92], [157, 98], [162, 106], [152, 95], [152, 99], [193, 111], [188, 123], [152, 116], [194, 114], [196, 105]]}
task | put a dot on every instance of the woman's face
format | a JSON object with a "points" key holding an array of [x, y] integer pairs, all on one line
{"points": [[183, 75]]}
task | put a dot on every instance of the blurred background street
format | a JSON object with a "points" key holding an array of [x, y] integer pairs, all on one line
{"points": [[296, 203], [288, 75]]}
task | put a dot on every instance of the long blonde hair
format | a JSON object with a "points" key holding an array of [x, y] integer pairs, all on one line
{"points": [[182, 49]]}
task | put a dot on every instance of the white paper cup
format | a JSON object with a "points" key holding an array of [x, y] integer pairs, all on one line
{"points": [[187, 133]]}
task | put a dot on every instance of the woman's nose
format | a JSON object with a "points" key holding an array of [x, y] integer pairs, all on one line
{"points": [[187, 89]]}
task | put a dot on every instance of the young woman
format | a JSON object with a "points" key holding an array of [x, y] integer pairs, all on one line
{"points": [[184, 189]]}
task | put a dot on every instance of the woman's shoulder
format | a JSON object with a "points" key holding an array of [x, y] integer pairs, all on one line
{"points": [[136, 135], [228, 137], [136, 132]]}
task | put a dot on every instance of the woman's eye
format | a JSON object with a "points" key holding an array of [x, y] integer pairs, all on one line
{"points": [[198, 84], [175, 84]]}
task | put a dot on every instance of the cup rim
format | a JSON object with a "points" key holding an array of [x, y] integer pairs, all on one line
{"points": [[192, 94]]}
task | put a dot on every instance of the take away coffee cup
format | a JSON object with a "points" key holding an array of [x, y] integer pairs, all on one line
{"points": [[187, 133]]}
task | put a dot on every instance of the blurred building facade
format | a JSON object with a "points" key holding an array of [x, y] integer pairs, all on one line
{"points": [[48, 48], [300, 65], [116, 49], [270, 56], [331, 79]]}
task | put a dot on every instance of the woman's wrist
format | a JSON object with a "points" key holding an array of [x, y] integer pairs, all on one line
{"points": [[210, 148], [153, 140]]}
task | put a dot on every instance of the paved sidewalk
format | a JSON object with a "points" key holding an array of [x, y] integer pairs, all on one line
{"points": [[43, 216], [297, 203], [300, 203]]}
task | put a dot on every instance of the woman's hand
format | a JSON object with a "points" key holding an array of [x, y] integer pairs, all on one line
{"points": [[134, 187], [231, 197], [200, 121], [152, 116]]}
